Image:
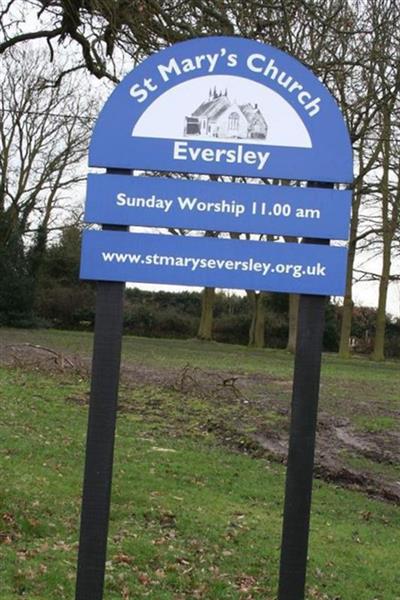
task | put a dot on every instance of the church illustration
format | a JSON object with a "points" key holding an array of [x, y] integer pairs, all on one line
{"points": [[220, 117]]}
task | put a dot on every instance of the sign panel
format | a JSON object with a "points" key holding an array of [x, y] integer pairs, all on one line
{"points": [[204, 205], [224, 105], [183, 260]]}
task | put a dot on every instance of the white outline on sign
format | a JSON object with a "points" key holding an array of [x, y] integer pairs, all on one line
{"points": [[165, 117]]}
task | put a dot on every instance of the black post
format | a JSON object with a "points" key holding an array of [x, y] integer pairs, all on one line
{"points": [[100, 435], [100, 441], [303, 425]]}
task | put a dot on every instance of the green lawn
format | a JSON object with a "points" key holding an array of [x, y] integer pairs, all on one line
{"points": [[190, 519], [169, 353]]}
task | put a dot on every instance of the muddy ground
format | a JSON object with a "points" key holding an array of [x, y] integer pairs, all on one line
{"points": [[247, 412]]}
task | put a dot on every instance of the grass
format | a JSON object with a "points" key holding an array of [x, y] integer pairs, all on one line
{"points": [[346, 385], [166, 353], [363, 464], [376, 424], [190, 518]]}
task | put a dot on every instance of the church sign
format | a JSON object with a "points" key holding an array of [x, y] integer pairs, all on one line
{"points": [[228, 106], [222, 107], [177, 138]]}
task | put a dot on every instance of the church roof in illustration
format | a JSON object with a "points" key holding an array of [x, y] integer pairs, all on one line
{"points": [[218, 103], [252, 112], [212, 108]]}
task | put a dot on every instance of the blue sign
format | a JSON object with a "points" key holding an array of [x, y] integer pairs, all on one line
{"points": [[187, 260], [224, 105], [204, 205]]}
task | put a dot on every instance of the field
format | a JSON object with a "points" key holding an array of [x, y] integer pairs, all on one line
{"points": [[198, 478]]}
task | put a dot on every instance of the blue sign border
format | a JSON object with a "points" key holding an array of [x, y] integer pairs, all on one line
{"points": [[329, 159]]}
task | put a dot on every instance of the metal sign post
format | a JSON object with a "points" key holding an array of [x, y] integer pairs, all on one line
{"points": [[216, 106]]}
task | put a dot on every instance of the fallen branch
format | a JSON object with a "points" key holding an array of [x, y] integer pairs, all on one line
{"points": [[61, 359]]}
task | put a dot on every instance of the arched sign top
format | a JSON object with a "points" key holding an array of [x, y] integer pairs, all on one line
{"points": [[226, 106]]}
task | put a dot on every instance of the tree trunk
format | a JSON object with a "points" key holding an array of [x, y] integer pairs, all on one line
{"points": [[389, 226], [379, 344], [345, 329], [257, 325], [347, 311], [293, 319], [206, 319]]}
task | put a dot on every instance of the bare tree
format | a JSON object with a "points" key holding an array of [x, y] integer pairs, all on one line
{"points": [[390, 211], [44, 135], [43, 138], [102, 30], [363, 97], [384, 220]]}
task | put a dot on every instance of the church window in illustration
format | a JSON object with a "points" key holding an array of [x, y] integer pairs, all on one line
{"points": [[221, 117], [233, 121]]}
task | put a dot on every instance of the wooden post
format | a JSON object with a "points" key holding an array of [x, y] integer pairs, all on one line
{"points": [[100, 441], [96, 497], [303, 425], [300, 464]]}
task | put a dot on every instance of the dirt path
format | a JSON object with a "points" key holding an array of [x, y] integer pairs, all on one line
{"points": [[247, 412]]}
